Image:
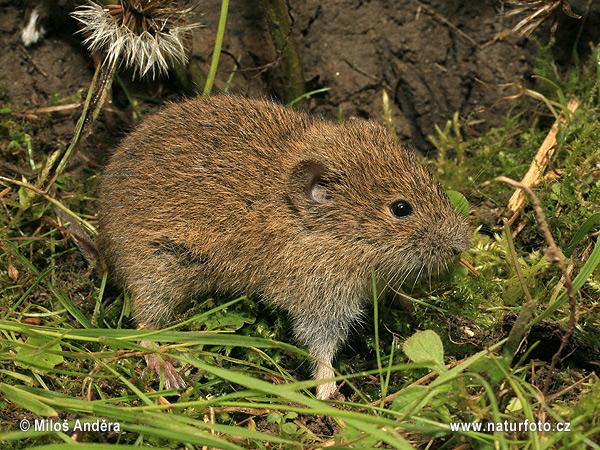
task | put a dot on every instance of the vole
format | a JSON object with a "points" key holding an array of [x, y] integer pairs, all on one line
{"points": [[245, 196]]}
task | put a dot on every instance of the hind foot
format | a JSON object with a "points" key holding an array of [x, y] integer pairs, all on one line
{"points": [[163, 368]]}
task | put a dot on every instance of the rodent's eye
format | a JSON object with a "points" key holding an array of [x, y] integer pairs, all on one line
{"points": [[401, 208]]}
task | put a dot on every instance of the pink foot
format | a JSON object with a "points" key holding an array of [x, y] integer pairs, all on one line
{"points": [[163, 368], [325, 390]]}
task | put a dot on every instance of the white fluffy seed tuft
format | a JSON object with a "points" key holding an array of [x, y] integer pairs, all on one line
{"points": [[144, 52], [33, 31]]}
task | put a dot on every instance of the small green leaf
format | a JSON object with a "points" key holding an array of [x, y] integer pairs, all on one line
{"points": [[291, 415], [274, 418], [458, 202], [514, 406], [407, 397], [22, 196], [289, 428], [493, 371], [19, 376], [583, 230], [425, 346], [226, 321], [33, 357], [458, 271], [351, 434]]}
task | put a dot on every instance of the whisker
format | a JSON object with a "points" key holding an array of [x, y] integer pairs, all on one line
{"points": [[418, 275]]}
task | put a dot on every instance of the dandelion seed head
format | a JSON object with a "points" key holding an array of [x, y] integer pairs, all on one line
{"points": [[146, 36]]}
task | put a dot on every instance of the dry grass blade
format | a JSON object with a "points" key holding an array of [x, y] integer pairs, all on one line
{"points": [[535, 173], [84, 242], [542, 11]]}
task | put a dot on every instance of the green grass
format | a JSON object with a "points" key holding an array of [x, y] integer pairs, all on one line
{"points": [[68, 353]]}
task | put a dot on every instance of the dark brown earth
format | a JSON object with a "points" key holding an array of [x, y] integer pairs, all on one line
{"points": [[432, 58]]}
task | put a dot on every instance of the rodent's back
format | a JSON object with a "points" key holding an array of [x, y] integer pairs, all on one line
{"points": [[200, 154], [194, 175]]}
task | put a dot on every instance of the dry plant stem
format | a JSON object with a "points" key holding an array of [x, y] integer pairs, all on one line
{"points": [[535, 173], [276, 13], [447, 22], [210, 420], [550, 176], [519, 328], [244, 410], [467, 265], [420, 382], [99, 88], [582, 25], [554, 256], [562, 392], [51, 109], [387, 114], [541, 10]]}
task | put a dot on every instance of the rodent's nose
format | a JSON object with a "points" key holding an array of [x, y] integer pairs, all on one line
{"points": [[461, 245]]}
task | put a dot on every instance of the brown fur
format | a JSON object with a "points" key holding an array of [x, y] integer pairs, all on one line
{"points": [[226, 194]]}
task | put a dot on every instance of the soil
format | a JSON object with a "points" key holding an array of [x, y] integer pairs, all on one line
{"points": [[431, 58]]}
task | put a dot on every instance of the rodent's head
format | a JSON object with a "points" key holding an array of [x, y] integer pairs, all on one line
{"points": [[374, 202]]}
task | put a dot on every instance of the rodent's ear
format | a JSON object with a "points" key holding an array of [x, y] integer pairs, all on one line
{"points": [[307, 183]]}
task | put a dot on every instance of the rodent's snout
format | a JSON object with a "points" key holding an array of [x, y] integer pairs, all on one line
{"points": [[461, 244], [440, 243]]}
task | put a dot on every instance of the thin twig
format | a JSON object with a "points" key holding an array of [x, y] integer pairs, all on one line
{"points": [[562, 392], [447, 22], [420, 382], [51, 109], [467, 265], [554, 255]]}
